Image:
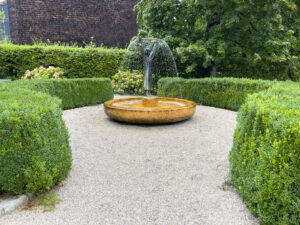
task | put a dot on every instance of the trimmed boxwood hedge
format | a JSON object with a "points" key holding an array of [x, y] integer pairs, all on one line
{"points": [[228, 93], [75, 62], [265, 158], [73, 92], [34, 147]]}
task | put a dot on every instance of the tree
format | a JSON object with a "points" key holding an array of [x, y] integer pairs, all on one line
{"points": [[249, 38], [1, 19]]}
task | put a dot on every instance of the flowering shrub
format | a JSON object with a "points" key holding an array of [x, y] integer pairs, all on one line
{"points": [[126, 82], [44, 73]]}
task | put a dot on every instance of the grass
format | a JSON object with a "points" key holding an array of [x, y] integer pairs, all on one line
{"points": [[227, 186], [47, 201]]}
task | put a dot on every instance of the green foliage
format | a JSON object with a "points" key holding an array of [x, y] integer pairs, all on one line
{"points": [[44, 73], [264, 159], [228, 93], [73, 92], [75, 62], [126, 82], [251, 38], [34, 147], [1, 19]]}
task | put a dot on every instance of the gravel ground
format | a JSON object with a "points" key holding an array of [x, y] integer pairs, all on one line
{"points": [[127, 174]]}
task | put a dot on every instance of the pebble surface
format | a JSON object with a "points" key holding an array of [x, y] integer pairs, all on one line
{"points": [[158, 175]]}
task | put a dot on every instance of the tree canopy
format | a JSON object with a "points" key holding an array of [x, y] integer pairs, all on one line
{"points": [[247, 38], [1, 19]]}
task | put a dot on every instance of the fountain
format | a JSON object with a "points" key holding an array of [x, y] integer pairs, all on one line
{"points": [[155, 58]]}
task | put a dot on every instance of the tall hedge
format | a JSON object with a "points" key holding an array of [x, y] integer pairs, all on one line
{"points": [[75, 62], [34, 147], [73, 92], [228, 93], [265, 158]]}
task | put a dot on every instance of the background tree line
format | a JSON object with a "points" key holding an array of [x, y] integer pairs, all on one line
{"points": [[242, 38]]}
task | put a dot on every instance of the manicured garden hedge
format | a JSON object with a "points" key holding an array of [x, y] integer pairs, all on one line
{"points": [[34, 147], [75, 62], [228, 93], [73, 92], [265, 158]]}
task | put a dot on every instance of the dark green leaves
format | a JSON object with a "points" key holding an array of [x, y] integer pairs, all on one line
{"points": [[252, 38]]}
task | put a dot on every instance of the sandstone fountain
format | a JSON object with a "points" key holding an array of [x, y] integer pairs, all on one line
{"points": [[155, 58]]}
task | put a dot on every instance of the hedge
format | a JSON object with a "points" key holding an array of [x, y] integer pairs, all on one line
{"points": [[228, 93], [265, 158], [75, 62], [73, 92], [34, 147]]}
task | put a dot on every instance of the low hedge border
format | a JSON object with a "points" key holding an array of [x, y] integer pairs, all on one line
{"points": [[76, 62], [227, 93], [73, 92], [264, 160], [34, 146]]}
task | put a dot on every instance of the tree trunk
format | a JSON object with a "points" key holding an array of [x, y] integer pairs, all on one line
{"points": [[213, 70]]}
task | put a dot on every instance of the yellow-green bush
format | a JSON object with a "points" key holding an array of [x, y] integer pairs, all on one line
{"points": [[75, 62], [265, 158], [34, 147], [73, 92]]}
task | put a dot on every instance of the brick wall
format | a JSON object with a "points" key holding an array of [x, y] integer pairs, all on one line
{"points": [[111, 22]]}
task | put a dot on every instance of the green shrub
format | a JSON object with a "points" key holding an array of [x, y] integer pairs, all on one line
{"points": [[73, 92], [228, 93], [75, 62], [43, 73], [264, 160], [34, 148], [126, 82]]}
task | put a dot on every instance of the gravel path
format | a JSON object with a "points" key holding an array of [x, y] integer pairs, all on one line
{"points": [[126, 174]]}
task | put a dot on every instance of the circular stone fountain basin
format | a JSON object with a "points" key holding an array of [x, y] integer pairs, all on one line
{"points": [[150, 110]]}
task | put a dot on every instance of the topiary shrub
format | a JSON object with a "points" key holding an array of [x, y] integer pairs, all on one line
{"points": [[228, 93], [75, 62], [264, 159], [34, 148], [73, 92]]}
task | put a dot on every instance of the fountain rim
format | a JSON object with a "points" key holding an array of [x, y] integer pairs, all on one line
{"points": [[189, 104]]}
